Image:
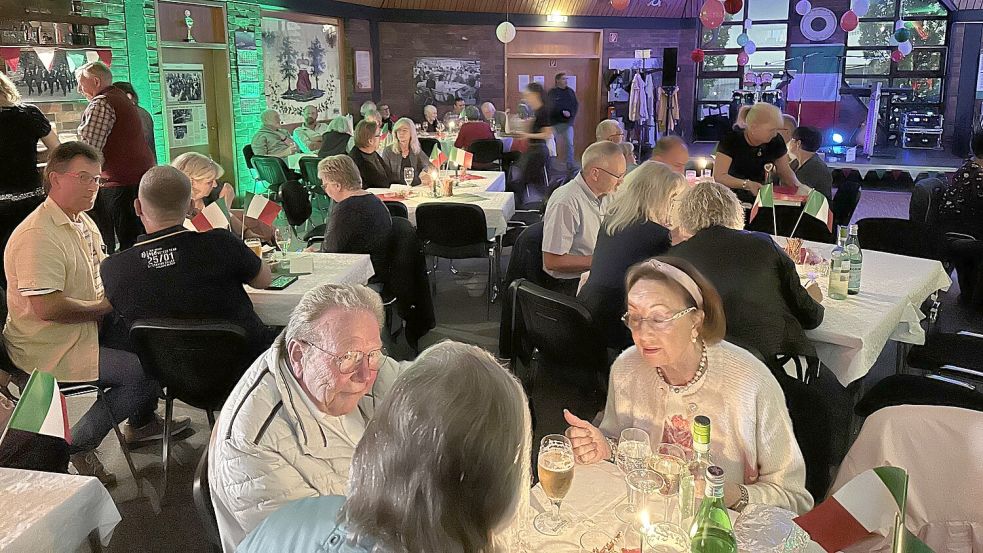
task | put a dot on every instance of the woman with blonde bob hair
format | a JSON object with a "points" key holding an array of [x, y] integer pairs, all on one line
{"points": [[679, 368], [204, 174], [636, 227], [405, 153], [443, 466]]}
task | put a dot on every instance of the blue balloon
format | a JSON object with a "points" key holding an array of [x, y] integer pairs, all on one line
{"points": [[742, 39]]}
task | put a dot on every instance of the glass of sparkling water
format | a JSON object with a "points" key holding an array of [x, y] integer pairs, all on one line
{"points": [[633, 451]]}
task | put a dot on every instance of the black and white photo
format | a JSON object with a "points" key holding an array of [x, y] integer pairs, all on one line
{"points": [[440, 80]]}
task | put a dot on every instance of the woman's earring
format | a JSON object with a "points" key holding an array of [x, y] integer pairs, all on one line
{"points": [[695, 335]]}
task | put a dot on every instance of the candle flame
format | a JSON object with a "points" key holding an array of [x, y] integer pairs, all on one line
{"points": [[644, 518]]}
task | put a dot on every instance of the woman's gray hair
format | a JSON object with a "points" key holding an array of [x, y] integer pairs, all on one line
{"points": [[444, 463], [342, 124], [318, 301], [414, 140], [709, 204], [429, 109], [341, 170], [646, 195], [472, 113]]}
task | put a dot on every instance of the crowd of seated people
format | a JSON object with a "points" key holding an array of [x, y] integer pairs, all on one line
{"points": [[405, 155]]}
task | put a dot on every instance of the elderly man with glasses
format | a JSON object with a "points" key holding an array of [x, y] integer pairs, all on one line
{"points": [[290, 427]]}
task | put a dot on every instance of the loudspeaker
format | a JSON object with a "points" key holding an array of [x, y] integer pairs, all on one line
{"points": [[669, 66]]}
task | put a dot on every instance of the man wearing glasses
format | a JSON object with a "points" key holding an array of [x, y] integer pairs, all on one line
{"points": [[57, 301], [611, 130], [575, 211], [290, 427]]}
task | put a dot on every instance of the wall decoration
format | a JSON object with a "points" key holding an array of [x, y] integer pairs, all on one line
{"points": [[505, 32], [39, 84], [245, 40], [849, 21], [697, 55], [440, 80], [301, 66], [860, 7], [250, 106], [248, 73], [712, 14], [818, 25], [185, 113], [183, 86], [247, 57], [363, 71], [188, 126], [250, 90], [803, 7]]}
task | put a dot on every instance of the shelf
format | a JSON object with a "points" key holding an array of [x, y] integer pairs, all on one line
{"points": [[13, 15]]}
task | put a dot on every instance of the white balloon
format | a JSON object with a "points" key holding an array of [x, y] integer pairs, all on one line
{"points": [[802, 7], [750, 47], [898, 25], [505, 32], [905, 47], [861, 7]]}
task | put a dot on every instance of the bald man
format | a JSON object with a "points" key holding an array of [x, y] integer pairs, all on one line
{"points": [[610, 130], [308, 134], [672, 151], [272, 139], [174, 272]]}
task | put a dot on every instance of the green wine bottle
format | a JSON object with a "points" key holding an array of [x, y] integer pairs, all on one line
{"points": [[712, 531]]}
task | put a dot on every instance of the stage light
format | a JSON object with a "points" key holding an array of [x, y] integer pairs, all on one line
{"points": [[837, 138]]}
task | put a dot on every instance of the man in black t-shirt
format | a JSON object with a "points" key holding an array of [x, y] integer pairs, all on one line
{"points": [[173, 272]]}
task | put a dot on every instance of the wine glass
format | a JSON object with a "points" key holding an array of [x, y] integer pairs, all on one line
{"points": [[642, 483], [634, 449], [555, 467], [670, 462], [409, 173]]}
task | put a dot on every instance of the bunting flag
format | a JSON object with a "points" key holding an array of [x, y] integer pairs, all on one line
{"points": [[91, 56], [75, 60], [215, 215], [816, 87], [462, 158], [261, 208], [105, 56], [817, 206], [41, 408], [11, 55], [437, 156], [766, 198], [47, 57]]}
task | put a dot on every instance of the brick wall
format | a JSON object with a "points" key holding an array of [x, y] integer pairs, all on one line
{"points": [[401, 43], [356, 38], [244, 17]]}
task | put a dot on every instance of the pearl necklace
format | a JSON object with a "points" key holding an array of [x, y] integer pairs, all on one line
{"points": [[696, 377]]}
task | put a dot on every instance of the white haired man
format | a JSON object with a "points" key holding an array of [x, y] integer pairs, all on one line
{"points": [[491, 115], [610, 130], [290, 427], [271, 139], [308, 134]]}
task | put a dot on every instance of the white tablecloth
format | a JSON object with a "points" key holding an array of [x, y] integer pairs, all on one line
{"points": [[447, 141], [274, 306], [855, 330], [498, 206], [293, 160], [52, 512]]}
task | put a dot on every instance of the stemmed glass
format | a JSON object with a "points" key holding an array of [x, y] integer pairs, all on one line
{"points": [[670, 462], [409, 173], [634, 449], [555, 476]]}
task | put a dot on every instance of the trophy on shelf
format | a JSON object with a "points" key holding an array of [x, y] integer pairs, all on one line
{"points": [[189, 23]]}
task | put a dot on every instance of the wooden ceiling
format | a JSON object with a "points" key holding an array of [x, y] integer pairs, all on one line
{"points": [[596, 8]]}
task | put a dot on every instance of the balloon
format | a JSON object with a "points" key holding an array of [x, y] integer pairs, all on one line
{"points": [[891, 41], [733, 7], [619, 4], [742, 58], [849, 21], [697, 55], [750, 47], [905, 48], [861, 7], [902, 35], [747, 25], [742, 39], [803, 7], [505, 32], [898, 25], [712, 14], [897, 56]]}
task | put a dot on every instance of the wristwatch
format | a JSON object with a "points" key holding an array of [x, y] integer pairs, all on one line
{"points": [[743, 501], [744, 184]]}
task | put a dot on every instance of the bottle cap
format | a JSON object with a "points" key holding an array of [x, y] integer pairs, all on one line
{"points": [[715, 475]]}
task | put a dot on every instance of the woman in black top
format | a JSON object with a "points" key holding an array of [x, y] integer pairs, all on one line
{"points": [[962, 200], [366, 156], [359, 222], [21, 126], [533, 162], [743, 153], [405, 153], [336, 140], [636, 228]]}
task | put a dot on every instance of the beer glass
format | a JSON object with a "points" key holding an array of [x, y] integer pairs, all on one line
{"points": [[633, 451], [555, 476]]}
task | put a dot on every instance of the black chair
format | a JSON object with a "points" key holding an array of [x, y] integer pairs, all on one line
{"points": [[807, 228], [296, 203], [956, 355], [273, 171], [428, 144], [487, 155], [247, 155], [458, 231], [897, 236], [202, 497], [845, 202], [397, 209], [308, 173], [926, 198], [408, 282], [966, 254], [909, 389], [196, 361]]}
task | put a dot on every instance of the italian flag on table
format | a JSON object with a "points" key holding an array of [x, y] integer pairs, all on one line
{"points": [[215, 215], [261, 208], [874, 501], [437, 156], [462, 158], [817, 206], [766, 198], [41, 409]]}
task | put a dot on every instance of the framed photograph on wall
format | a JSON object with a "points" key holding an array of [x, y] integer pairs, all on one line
{"points": [[183, 86], [363, 71], [301, 66]]}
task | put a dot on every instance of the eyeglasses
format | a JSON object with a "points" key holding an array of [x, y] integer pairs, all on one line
{"points": [[655, 325], [86, 179], [616, 177], [616, 135], [348, 361]]}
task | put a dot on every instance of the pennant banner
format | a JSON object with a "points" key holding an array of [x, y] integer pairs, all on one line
{"points": [[75, 60], [11, 55], [91, 56], [47, 57]]}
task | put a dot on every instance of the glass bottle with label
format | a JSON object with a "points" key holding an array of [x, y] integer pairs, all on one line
{"points": [[692, 486], [852, 248], [712, 531], [839, 267]]}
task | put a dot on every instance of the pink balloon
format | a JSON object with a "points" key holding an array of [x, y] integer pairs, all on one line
{"points": [[712, 14], [896, 56], [742, 58], [849, 21]]}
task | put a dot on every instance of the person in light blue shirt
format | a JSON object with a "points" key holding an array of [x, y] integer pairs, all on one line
{"points": [[442, 467]]}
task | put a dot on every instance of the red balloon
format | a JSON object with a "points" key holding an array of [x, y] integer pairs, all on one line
{"points": [[897, 56], [697, 55], [619, 4], [712, 14], [733, 7], [849, 21]]}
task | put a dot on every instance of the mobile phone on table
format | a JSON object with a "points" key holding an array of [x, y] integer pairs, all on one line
{"points": [[281, 282]]}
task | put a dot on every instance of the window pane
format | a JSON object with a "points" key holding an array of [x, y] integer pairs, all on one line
{"points": [[881, 8], [724, 36], [922, 8], [924, 90], [922, 60], [868, 62], [767, 61], [717, 89], [866, 82], [871, 34], [726, 62], [929, 32], [769, 35], [759, 10]]}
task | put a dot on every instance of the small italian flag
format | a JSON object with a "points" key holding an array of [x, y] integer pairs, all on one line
{"points": [[215, 215], [817, 206], [41, 408], [874, 501], [261, 208], [766, 198], [437, 156], [462, 158], [386, 140]]}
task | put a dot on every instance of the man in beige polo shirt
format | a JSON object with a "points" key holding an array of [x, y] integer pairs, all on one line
{"points": [[56, 302]]}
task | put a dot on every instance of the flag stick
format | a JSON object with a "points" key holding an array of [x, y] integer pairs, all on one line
{"points": [[774, 216], [797, 223]]}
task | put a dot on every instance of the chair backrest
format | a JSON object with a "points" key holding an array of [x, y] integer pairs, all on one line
{"points": [[308, 171], [397, 209], [926, 198], [198, 361], [427, 144], [897, 236], [296, 203], [845, 202], [910, 389], [487, 151], [248, 155], [202, 497], [526, 261], [271, 169], [451, 224]]}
